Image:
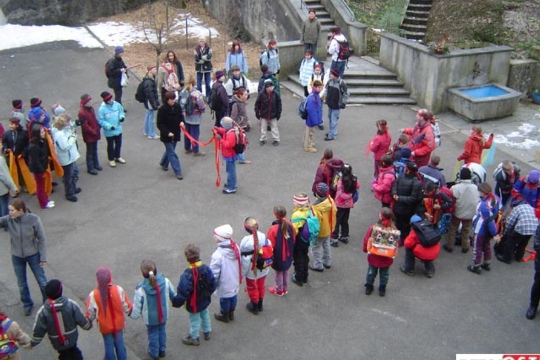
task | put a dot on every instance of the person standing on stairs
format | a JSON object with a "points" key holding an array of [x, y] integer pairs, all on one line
{"points": [[336, 40], [311, 29]]}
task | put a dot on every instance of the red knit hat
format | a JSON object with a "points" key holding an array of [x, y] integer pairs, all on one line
{"points": [[106, 96], [35, 102]]}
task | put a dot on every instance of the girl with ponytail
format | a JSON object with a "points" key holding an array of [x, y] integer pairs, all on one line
{"points": [[380, 144], [282, 235], [150, 301]]}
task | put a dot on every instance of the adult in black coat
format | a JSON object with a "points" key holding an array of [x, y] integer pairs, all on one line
{"points": [[407, 193], [151, 104], [114, 69], [15, 139], [221, 105], [169, 119], [268, 111]]}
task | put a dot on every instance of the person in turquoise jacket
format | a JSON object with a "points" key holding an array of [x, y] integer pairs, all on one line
{"points": [[150, 301], [111, 116]]}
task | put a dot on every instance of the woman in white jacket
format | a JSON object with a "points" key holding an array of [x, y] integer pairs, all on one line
{"points": [[66, 150]]}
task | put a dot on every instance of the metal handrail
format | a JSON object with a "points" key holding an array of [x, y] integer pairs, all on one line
{"points": [[351, 13], [188, 18]]}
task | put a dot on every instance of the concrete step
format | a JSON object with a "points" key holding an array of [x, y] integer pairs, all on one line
{"points": [[415, 20], [418, 14], [327, 28], [378, 91], [380, 100], [322, 13], [357, 81], [423, 2], [326, 21], [419, 7], [414, 28], [412, 34], [316, 7]]}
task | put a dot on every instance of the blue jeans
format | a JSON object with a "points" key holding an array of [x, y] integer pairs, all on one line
{"points": [[115, 344], [19, 265], [207, 76], [169, 156], [333, 118], [339, 66], [195, 321], [230, 168], [4, 205], [157, 339], [70, 183], [228, 304], [92, 160], [149, 123], [194, 131], [241, 157]]}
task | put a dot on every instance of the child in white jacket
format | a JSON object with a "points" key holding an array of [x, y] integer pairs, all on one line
{"points": [[227, 269]]}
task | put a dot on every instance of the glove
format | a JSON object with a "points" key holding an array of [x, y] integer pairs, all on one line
{"points": [[277, 71], [122, 119], [78, 122], [342, 106], [113, 128]]}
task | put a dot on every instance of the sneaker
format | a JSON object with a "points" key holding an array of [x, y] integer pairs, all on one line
{"points": [[246, 162], [369, 289], [445, 247], [112, 163], [344, 239], [315, 269], [299, 283], [188, 340], [155, 137], [285, 291], [327, 266], [275, 291], [187, 151], [405, 271], [531, 312], [78, 190], [321, 127], [164, 168], [475, 269], [334, 243], [162, 354], [49, 205], [465, 250], [310, 150], [27, 311], [502, 259], [262, 142], [229, 191], [98, 167], [92, 172], [275, 143], [329, 138], [486, 266], [72, 198], [429, 274], [207, 335], [121, 161], [199, 153], [179, 177]]}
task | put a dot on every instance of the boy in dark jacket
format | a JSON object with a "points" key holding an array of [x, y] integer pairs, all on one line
{"points": [[114, 69], [195, 288], [268, 112], [407, 194], [63, 336], [222, 99]]}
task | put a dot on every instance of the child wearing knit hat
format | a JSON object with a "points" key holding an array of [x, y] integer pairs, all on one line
{"points": [[195, 289], [226, 266], [18, 112], [325, 209], [301, 248], [58, 308]]}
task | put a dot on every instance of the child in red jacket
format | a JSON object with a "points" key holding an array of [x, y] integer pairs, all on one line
{"points": [[413, 249], [378, 263], [475, 145], [380, 144]]}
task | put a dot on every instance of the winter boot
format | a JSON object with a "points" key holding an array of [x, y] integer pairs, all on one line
{"points": [[486, 266], [382, 290], [260, 305], [253, 308], [531, 312], [222, 316], [231, 315], [369, 289], [475, 269]]}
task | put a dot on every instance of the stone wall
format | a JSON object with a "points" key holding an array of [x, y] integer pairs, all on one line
{"points": [[428, 76], [63, 12]]}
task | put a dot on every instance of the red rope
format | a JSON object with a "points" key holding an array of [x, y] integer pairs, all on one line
{"points": [[217, 148]]}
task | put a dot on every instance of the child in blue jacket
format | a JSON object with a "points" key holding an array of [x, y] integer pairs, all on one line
{"points": [[195, 288], [150, 301]]}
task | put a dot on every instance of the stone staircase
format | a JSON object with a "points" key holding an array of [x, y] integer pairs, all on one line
{"points": [[367, 83], [414, 24]]}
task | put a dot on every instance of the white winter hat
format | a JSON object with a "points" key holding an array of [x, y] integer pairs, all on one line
{"points": [[223, 233]]}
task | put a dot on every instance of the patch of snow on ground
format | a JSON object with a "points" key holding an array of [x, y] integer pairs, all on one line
{"points": [[525, 132]]}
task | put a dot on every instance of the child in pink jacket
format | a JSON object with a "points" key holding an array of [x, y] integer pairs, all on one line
{"points": [[380, 144]]}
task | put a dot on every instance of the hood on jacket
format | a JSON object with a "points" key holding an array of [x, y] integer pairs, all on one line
{"points": [[323, 206], [335, 163], [149, 289], [226, 250], [340, 37]]}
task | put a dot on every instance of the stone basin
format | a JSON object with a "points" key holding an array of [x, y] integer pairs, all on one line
{"points": [[483, 102]]}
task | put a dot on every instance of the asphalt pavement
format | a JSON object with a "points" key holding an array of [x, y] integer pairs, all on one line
{"points": [[137, 211]]}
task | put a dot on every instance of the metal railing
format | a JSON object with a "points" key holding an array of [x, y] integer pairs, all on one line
{"points": [[349, 11]]}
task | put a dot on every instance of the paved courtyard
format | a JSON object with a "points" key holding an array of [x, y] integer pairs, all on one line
{"points": [[136, 211]]}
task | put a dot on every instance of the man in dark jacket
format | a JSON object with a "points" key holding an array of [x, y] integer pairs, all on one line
{"points": [[535, 290], [407, 193], [151, 104], [114, 69], [268, 112], [58, 318], [221, 104], [336, 96], [203, 65], [433, 172], [505, 180], [169, 120]]}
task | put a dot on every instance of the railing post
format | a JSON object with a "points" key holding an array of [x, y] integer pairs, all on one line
{"points": [[187, 34]]}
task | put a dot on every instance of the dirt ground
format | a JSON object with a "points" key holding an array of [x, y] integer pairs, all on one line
{"points": [[145, 53]]}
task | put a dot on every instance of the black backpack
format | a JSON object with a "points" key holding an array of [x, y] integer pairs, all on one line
{"points": [[139, 94], [213, 102], [427, 233]]}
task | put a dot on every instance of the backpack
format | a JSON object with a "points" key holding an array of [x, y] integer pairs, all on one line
{"points": [[203, 289], [139, 94], [450, 194], [383, 241], [267, 55], [189, 105], [213, 102], [311, 228], [265, 258], [344, 52], [241, 140], [8, 346], [436, 133], [171, 82], [107, 64], [302, 108], [426, 232], [334, 180]]}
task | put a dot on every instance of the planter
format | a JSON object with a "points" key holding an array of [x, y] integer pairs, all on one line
{"points": [[535, 98]]}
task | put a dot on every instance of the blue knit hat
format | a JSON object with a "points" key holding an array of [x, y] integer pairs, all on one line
{"points": [[415, 218], [118, 50]]}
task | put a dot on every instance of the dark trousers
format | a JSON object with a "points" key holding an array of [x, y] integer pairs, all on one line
{"points": [[114, 147], [118, 95], [91, 156], [70, 183], [403, 224], [515, 246], [219, 115], [410, 260], [72, 353], [535, 289], [301, 260], [342, 223]]}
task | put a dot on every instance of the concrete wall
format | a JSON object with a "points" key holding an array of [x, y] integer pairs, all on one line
{"points": [[428, 76], [290, 56], [522, 75]]}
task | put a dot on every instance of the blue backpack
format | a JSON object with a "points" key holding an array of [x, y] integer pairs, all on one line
{"points": [[8, 346], [311, 228]]}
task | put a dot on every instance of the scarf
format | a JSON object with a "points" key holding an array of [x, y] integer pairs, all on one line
{"points": [[194, 266], [61, 337]]}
